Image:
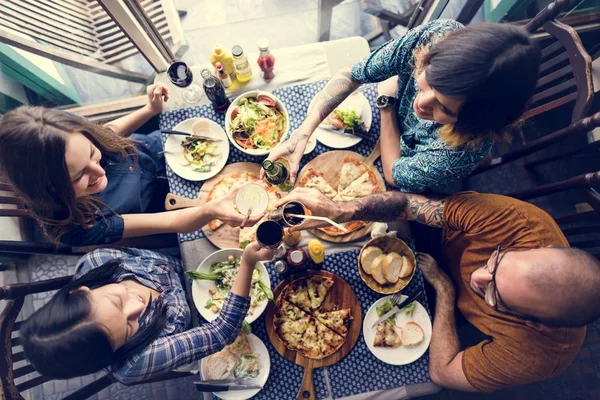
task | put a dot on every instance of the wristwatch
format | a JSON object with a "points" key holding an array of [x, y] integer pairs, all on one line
{"points": [[384, 101]]}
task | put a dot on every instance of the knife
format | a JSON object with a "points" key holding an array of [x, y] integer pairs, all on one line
{"points": [[205, 387], [397, 308], [359, 132], [208, 139]]}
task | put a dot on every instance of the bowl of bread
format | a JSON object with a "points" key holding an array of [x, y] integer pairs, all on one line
{"points": [[386, 264]]}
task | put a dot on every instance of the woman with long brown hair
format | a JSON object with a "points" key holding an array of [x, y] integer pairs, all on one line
{"points": [[89, 184]]}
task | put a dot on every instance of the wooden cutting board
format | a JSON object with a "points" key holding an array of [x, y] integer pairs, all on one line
{"points": [[226, 236], [329, 164], [340, 296]]}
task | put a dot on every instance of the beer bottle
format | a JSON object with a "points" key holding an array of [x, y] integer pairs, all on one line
{"points": [[277, 173]]}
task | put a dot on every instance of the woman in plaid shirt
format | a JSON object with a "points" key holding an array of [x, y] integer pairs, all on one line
{"points": [[126, 309]]}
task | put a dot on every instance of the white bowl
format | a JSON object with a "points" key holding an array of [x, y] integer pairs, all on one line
{"points": [[234, 104], [200, 287]]}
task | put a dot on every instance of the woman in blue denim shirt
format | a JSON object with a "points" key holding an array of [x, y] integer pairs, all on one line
{"points": [[448, 92], [89, 184]]}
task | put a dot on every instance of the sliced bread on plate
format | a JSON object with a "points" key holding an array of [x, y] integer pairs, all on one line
{"points": [[407, 267], [391, 267], [368, 255], [377, 269], [412, 334], [220, 365]]}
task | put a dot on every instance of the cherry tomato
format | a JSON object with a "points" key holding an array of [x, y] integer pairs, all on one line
{"points": [[234, 113], [266, 100]]}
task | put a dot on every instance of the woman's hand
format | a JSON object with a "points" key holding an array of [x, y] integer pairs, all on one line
{"points": [[158, 94], [318, 204], [254, 253], [225, 210], [292, 150]]}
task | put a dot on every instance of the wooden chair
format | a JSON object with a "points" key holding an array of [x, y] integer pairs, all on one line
{"points": [[565, 77], [9, 373]]}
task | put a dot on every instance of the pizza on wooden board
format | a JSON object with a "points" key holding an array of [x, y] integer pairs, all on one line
{"points": [[356, 180], [302, 326]]}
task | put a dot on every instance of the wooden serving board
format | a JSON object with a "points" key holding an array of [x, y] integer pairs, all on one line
{"points": [[329, 164], [226, 236], [340, 296]]}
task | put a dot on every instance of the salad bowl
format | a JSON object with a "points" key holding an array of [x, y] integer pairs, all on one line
{"points": [[255, 122]]}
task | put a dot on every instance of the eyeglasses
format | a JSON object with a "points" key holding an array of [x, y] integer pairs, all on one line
{"points": [[492, 296]]}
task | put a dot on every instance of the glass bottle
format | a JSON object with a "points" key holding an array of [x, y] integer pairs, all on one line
{"points": [[214, 91], [277, 173], [220, 54], [223, 77], [266, 60], [243, 72]]}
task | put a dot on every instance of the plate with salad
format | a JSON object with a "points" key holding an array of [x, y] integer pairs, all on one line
{"points": [[354, 113], [193, 158], [213, 278], [256, 122]]}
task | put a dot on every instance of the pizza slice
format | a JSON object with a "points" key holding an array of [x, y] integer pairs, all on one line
{"points": [[351, 170], [328, 341], [318, 286], [386, 335], [309, 345], [291, 333], [248, 234], [314, 179], [338, 320], [350, 227], [297, 294], [364, 185]]}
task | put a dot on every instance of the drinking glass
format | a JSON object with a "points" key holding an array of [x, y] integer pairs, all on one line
{"points": [[269, 234], [181, 76]]}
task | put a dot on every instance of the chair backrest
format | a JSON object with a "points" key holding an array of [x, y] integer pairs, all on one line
{"points": [[566, 69]]}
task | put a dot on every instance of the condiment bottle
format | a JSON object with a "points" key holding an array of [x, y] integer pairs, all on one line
{"points": [[296, 258], [316, 251], [243, 72], [223, 77], [266, 60], [291, 239], [277, 173], [280, 266], [222, 55], [214, 91]]}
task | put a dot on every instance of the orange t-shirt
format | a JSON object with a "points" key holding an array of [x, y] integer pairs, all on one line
{"points": [[516, 353]]}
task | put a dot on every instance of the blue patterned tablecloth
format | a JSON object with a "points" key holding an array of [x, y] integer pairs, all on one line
{"points": [[360, 371], [296, 99]]}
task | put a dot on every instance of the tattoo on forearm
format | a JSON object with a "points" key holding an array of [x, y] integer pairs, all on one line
{"points": [[292, 143], [395, 206], [337, 89]]}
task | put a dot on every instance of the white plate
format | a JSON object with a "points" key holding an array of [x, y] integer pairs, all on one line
{"points": [[357, 101], [200, 287], [400, 355], [264, 368], [311, 144], [255, 93], [174, 150]]}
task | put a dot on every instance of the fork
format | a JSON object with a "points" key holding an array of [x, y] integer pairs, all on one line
{"points": [[396, 298]]}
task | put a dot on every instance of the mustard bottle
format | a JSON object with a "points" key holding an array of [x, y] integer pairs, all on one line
{"points": [[220, 54], [316, 251]]}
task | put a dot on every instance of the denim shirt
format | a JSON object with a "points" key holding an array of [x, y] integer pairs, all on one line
{"points": [[426, 162], [133, 187]]}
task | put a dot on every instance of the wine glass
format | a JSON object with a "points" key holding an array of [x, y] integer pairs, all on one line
{"points": [[181, 76], [269, 234]]}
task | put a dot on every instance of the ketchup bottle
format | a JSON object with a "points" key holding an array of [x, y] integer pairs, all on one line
{"points": [[266, 60]]}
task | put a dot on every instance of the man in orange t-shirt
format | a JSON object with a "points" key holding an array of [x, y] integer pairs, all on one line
{"points": [[512, 275]]}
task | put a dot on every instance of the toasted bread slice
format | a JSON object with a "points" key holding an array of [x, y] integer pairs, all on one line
{"points": [[377, 269], [368, 255], [391, 267], [407, 267], [412, 334], [220, 365]]}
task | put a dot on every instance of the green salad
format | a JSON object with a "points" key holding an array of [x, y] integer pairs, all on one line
{"points": [[256, 123]]}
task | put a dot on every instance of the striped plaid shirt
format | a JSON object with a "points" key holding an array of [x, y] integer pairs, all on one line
{"points": [[177, 344]]}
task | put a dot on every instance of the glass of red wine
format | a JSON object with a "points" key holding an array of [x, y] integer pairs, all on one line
{"points": [[181, 76], [269, 234]]}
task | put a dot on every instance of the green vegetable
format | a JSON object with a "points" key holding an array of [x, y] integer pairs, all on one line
{"points": [[385, 307], [245, 243], [203, 276], [209, 303], [246, 328], [349, 118], [265, 289], [410, 309]]}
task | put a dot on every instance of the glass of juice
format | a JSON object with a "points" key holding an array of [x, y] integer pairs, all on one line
{"points": [[252, 199], [269, 234]]}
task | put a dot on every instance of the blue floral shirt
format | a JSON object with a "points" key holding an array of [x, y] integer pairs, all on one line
{"points": [[178, 344], [426, 162]]}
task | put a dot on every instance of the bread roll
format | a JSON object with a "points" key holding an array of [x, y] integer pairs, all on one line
{"points": [[368, 255], [220, 365], [377, 269], [392, 264], [412, 334]]}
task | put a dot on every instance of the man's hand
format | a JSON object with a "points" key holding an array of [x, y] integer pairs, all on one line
{"points": [[292, 150], [224, 209], [433, 273], [318, 204], [254, 253], [157, 96]]}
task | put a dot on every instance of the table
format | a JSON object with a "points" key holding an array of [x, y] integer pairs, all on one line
{"points": [[309, 66]]}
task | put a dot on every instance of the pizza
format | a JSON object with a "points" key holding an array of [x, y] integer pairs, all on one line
{"points": [[387, 336], [356, 180], [302, 325]]}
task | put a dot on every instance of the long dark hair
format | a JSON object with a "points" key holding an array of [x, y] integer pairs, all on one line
{"points": [[33, 141], [62, 342], [494, 67]]}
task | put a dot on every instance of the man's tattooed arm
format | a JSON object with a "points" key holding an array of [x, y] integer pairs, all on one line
{"points": [[338, 88], [395, 206]]}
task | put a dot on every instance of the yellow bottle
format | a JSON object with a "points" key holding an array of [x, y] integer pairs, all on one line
{"points": [[316, 251], [220, 54]]}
